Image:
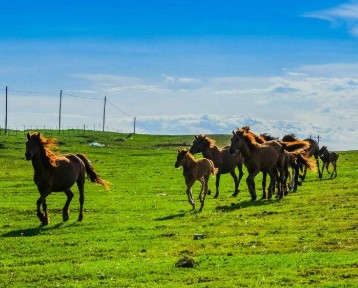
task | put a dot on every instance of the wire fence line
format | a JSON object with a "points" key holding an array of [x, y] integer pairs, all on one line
{"points": [[7, 128]]}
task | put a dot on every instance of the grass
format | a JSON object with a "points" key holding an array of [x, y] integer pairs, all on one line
{"points": [[133, 235]]}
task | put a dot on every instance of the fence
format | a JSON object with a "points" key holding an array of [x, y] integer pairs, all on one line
{"points": [[101, 126]]}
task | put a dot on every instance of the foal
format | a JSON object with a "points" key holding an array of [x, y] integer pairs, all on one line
{"points": [[195, 170], [222, 159], [327, 158]]}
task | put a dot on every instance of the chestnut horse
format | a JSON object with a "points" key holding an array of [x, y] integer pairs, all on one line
{"points": [[295, 159], [327, 158], [266, 157], [57, 173], [284, 156], [222, 158], [193, 170]]}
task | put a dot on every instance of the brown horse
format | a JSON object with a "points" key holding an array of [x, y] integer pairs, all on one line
{"points": [[327, 158], [293, 160], [312, 150], [193, 170], [57, 173], [222, 158], [266, 157]]}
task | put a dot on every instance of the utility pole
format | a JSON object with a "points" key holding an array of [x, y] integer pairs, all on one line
{"points": [[59, 114], [135, 120], [6, 110], [104, 113]]}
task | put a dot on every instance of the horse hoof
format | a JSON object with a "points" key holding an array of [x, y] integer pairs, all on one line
{"points": [[216, 196]]}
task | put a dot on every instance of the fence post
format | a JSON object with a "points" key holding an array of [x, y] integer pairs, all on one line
{"points": [[59, 114], [5, 110]]}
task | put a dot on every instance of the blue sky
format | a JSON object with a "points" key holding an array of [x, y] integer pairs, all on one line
{"points": [[184, 66]]}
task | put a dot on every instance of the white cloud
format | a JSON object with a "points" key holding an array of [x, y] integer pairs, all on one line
{"points": [[306, 100], [345, 14]]}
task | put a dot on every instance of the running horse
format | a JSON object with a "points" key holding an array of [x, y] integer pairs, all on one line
{"points": [[194, 170], [58, 173], [222, 158], [327, 158], [312, 150], [265, 157]]}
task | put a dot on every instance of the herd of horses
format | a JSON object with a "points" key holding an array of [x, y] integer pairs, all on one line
{"points": [[282, 159], [259, 153]]}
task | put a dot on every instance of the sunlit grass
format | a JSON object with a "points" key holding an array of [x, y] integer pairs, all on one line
{"points": [[134, 234]]}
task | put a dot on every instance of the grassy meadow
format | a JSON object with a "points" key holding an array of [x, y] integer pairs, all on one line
{"points": [[132, 235]]}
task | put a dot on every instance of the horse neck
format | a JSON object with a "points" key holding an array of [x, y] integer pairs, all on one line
{"points": [[209, 152], [188, 164], [245, 149], [40, 160]]}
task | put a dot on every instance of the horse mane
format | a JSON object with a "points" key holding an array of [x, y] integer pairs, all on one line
{"points": [[268, 137], [290, 138], [209, 141], [251, 138], [47, 144]]}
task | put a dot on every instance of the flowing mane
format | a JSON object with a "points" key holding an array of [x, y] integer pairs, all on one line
{"points": [[46, 145], [251, 139], [290, 138]]}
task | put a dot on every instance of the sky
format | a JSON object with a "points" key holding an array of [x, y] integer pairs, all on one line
{"points": [[183, 67]]}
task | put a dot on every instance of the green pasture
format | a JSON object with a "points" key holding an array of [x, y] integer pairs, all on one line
{"points": [[133, 235]]}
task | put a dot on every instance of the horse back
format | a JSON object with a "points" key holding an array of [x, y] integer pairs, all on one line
{"points": [[69, 169]]}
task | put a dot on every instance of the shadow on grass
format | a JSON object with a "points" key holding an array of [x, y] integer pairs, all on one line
{"points": [[34, 231], [245, 204], [170, 217]]}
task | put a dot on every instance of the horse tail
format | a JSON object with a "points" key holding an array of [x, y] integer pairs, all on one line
{"points": [[213, 170], [295, 146], [91, 173], [303, 160]]}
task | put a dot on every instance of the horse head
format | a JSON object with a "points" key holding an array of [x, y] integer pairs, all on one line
{"points": [[200, 143], [32, 145], [180, 157], [235, 139]]}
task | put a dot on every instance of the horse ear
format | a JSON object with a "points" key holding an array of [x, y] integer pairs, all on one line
{"points": [[196, 137], [28, 135], [38, 135], [233, 132], [178, 151]]}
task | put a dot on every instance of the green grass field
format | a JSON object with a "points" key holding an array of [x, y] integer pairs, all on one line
{"points": [[132, 235]]}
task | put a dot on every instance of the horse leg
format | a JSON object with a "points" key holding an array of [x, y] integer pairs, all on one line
{"points": [[190, 184], [303, 176], [275, 178], [250, 180], [241, 174], [205, 184], [296, 182], [236, 180], [81, 190], [264, 176], [217, 183], [317, 163], [43, 216], [69, 195], [334, 168]]}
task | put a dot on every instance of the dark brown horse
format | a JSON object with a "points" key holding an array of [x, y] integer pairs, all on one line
{"points": [[293, 160], [222, 158], [266, 157], [328, 158], [312, 150], [194, 170], [57, 173]]}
